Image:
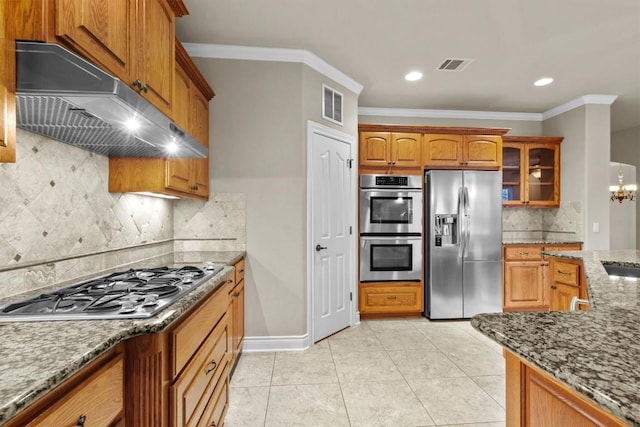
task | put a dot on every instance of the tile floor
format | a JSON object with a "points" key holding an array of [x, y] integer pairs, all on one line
{"points": [[400, 373]]}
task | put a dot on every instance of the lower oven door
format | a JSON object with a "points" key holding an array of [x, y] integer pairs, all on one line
{"points": [[390, 258]]}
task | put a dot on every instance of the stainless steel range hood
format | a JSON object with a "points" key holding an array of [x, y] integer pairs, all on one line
{"points": [[61, 95]]}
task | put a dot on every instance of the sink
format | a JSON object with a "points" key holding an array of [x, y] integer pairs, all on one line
{"points": [[624, 271]]}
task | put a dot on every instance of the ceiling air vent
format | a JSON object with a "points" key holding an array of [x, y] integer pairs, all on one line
{"points": [[454, 64]]}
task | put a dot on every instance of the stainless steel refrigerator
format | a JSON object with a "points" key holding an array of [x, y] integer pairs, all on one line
{"points": [[463, 243]]}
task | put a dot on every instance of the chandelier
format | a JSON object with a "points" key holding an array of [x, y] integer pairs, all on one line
{"points": [[621, 192]]}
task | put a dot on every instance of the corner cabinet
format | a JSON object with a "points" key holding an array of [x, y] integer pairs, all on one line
{"points": [[7, 87], [527, 275], [531, 171], [566, 282], [174, 177]]}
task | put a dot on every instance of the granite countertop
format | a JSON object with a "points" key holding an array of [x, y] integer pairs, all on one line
{"points": [[537, 241], [38, 356], [596, 351]]}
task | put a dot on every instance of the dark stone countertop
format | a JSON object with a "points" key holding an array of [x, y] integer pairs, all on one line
{"points": [[38, 356], [595, 352]]}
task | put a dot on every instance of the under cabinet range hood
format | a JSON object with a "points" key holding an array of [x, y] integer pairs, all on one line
{"points": [[64, 97]]}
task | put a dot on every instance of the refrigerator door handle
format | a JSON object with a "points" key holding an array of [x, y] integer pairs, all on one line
{"points": [[460, 228], [467, 221]]}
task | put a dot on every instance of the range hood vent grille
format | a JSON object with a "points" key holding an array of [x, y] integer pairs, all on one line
{"points": [[62, 121], [65, 97], [454, 64]]}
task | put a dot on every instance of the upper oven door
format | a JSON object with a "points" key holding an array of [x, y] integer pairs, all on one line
{"points": [[390, 211]]}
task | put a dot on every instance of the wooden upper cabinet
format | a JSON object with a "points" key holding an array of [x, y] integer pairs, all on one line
{"points": [[155, 52], [405, 149], [7, 87], [442, 150], [389, 149], [375, 149], [130, 39], [466, 151], [531, 171], [482, 151], [102, 31]]}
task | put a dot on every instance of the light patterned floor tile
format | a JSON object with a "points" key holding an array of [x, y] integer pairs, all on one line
{"points": [[391, 404], [253, 369], [403, 339], [494, 386], [304, 368], [456, 401], [364, 340], [365, 366], [317, 405], [247, 407], [420, 364]]}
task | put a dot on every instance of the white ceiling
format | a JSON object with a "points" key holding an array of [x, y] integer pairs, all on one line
{"points": [[587, 46]]}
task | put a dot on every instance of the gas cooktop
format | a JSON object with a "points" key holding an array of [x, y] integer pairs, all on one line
{"points": [[131, 294]]}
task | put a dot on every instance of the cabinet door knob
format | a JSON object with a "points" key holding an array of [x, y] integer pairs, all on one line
{"points": [[554, 287], [81, 420]]}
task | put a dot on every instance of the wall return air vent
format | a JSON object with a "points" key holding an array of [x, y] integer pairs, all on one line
{"points": [[331, 105], [454, 64]]}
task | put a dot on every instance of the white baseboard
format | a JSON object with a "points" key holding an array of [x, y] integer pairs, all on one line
{"points": [[281, 343]]}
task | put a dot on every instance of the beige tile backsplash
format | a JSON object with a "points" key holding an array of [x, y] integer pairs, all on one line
{"points": [[59, 222], [560, 223]]}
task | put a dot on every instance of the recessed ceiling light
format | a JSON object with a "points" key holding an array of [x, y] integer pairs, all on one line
{"points": [[413, 76], [543, 81]]}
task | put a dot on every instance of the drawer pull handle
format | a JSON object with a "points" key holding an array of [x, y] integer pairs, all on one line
{"points": [[566, 273], [236, 294], [81, 420], [524, 253], [213, 365], [554, 287], [241, 271], [391, 297], [213, 424]]}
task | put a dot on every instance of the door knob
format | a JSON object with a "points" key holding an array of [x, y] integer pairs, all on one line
{"points": [[319, 248]]}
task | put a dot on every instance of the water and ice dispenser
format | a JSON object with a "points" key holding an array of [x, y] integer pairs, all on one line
{"points": [[446, 230]]}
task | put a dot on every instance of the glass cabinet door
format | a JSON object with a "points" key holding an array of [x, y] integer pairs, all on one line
{"points": [[541, 174], [512, 164]]}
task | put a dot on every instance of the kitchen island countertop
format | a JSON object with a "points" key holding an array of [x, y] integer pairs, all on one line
{"points": [[537, 241], [594, 352], [38, 356]]}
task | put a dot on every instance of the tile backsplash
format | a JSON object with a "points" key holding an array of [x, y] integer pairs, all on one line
{"points": [[59, 222], [563, 223]]}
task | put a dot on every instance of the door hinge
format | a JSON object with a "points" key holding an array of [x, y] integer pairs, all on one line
{"points": [[350, 163], [351, 229], [350, 296]]}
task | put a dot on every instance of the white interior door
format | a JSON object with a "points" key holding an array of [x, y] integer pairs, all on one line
{"points": [[331, 218]]}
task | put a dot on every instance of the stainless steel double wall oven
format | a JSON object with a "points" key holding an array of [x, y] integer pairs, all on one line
{"points": [[390, 228]]}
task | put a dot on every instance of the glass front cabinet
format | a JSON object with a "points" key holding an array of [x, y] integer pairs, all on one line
{"points": [[531, 171]]}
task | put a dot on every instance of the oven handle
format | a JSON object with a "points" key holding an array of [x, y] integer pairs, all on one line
{"points": [[363, 238], [390, 190]]}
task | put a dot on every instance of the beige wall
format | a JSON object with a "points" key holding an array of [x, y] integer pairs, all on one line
{"points": [[258, 147], [518, 127], [585, 166]]}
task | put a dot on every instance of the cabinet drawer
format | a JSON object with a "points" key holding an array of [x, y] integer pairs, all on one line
{"points": [[569, 247], [564, 272], [99, 399], [381, 299], [188, 336], [523, 253], [239, 266], [218, 404], [192, 392]]}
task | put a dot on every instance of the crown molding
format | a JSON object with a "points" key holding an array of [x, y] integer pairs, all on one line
{"points": [[579, 102], [448, 114], [487, 115], [248, 53]]}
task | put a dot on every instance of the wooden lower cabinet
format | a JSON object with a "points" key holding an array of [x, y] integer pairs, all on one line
{"points": [[236, 306], [535, 399], [527, 276], [566, 282], [397, 298], [94, 396]]}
